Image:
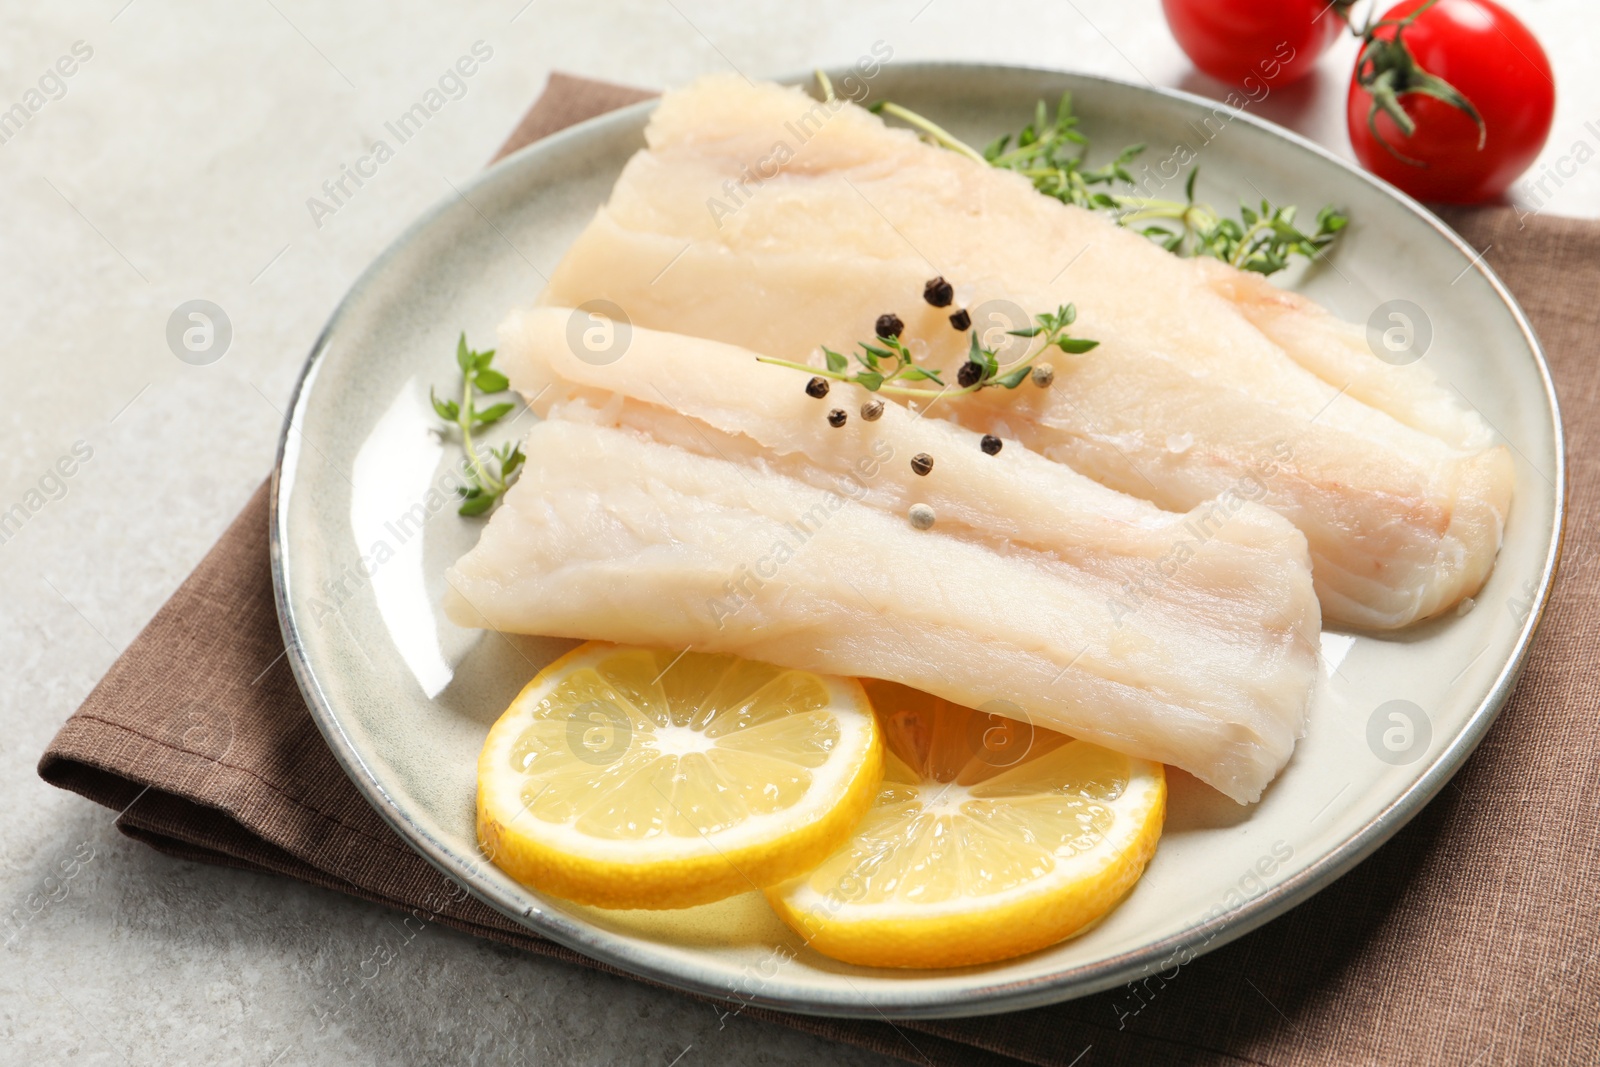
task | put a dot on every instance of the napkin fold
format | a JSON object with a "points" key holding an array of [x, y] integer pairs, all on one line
{"points": [[1469, 938]]}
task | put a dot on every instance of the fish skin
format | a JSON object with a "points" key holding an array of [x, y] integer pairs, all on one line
{"points": [[1398, 488], [610, 534]]}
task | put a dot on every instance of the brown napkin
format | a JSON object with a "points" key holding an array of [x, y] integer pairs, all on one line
{"points": [[1468, 939]]}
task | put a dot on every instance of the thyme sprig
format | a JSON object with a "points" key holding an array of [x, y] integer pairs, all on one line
{"points": [[1049, 331], [1259, 240], [1052, 152], [491, 470], [886, 361]]}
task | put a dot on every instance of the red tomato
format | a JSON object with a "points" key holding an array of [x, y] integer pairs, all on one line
{"points": [[1496, 63], [1253, 42]]}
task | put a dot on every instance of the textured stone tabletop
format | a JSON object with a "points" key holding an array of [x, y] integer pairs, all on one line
{"points": [[175, 163]]}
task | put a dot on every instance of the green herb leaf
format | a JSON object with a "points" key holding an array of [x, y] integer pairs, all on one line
{"points": [[491, 381], [445, 409], [515, 459], [836, 361], [491, 415], [869, 380], [477, 505], [1012, 379], [1076, 345]]}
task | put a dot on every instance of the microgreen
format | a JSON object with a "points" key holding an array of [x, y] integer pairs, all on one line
{"points": [[886, 361], [1051, 152], [492, 471]]}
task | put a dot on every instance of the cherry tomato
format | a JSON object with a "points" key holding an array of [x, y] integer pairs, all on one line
{"points": [[1253, 42], [1492, 59]]}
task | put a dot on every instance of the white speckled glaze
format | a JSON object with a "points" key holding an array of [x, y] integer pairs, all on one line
{"points": [[404, 697]]}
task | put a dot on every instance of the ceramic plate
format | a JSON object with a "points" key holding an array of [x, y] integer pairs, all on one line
{"points": [[405, 697]]}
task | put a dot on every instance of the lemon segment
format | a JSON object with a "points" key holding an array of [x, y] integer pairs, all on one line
{"points": [[977, 848], [639, 778]]}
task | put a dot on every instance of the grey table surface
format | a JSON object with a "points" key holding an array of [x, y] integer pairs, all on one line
{"points": [[176, 163]]}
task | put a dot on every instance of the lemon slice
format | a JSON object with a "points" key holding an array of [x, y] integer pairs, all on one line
{"points": [[636, 778], [988, 839]]}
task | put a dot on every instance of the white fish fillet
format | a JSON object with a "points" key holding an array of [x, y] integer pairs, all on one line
{"points": [[760, 217], [687, 495]]}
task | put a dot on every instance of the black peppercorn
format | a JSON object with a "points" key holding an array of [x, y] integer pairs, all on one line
{"points": [[836, 417], [961, 320], [817, 387], [889, 325], [872, 410], [921, 463], [990, 444], [939, 292], [970, 374]]}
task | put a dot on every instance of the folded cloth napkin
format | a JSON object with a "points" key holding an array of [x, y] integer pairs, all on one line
{"points": [[1468, 939]]}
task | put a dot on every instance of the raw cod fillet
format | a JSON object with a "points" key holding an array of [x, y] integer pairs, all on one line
{"points": [[761, 217], [687, 495]]}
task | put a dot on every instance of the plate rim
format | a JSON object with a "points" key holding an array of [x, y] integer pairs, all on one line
{"points": [[982, 999]]}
